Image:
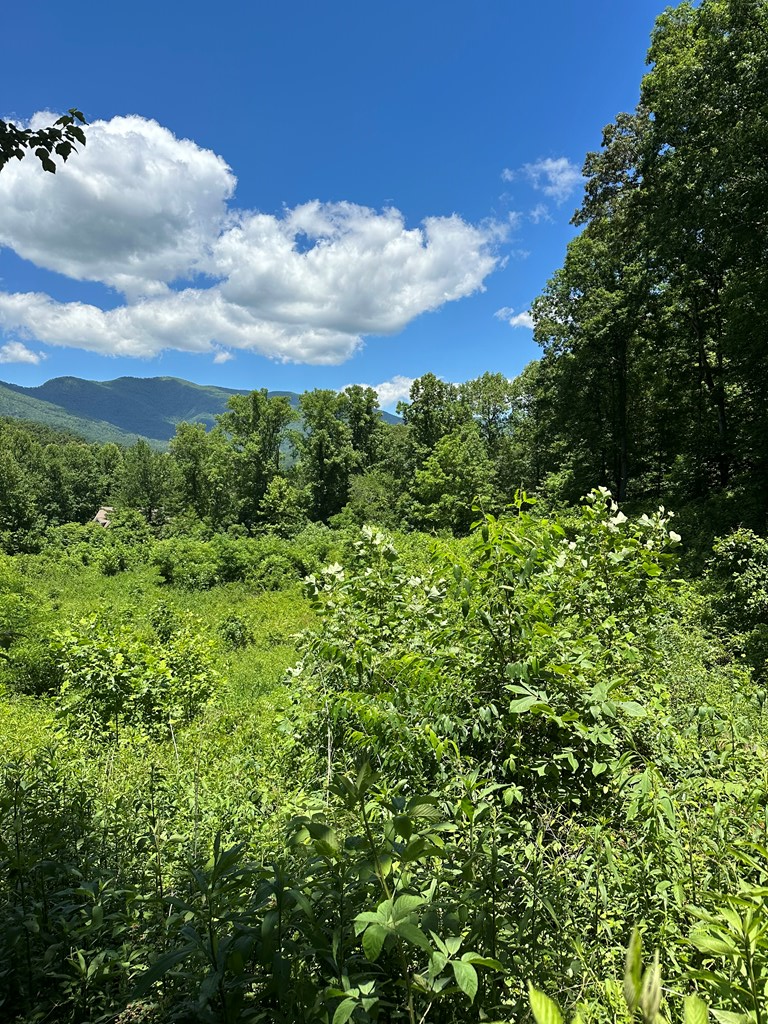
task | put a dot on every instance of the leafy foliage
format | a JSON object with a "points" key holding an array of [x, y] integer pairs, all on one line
{"points": [[114, 680], [46, 143]]}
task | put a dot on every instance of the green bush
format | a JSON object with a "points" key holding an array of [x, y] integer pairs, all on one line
{"points": [[17, 604], [115, 680], [537, 650], [267, 562], [273, 572], [736, 582], [235, 631], [185, 563], [31, 667], [164, 620]]}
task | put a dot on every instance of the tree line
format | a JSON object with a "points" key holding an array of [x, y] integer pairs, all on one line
{"points": [[268, 467]]}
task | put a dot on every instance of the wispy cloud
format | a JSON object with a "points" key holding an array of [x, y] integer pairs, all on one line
{"points": [[16, 352], [540, 213], [557, 177], [514, 218], [152, 216], [508, 315]]}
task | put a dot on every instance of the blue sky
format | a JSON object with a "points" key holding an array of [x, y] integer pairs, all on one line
{"points": [[295, 195]]}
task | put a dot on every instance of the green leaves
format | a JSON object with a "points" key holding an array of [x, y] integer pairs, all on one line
{"points": [[373, 938], [642, 994], [16, 142], [114, 680], [544, 1009], [345, 1009], [633, 971], [735, 931], [642, 990], [392, 918], [466, 977], [695, 1010]]}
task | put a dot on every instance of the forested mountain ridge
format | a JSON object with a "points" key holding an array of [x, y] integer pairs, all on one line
{"points": [[16, 403], [150, 407], [124, 409]]}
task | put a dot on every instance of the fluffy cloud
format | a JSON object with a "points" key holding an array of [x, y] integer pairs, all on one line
{"points": [[139, 209], [508, 314], [364, 272], [392, 391], [192, 320], [15, 352], [136, 208]]}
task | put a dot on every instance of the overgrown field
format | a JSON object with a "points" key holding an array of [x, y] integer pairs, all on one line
{"points": [[404, 789]]}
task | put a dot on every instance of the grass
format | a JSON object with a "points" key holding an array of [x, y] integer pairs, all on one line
{"points": [[228, 767]]}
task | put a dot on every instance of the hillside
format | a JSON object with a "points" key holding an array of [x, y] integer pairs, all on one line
{"points": [[123, 409], [18, 404]]}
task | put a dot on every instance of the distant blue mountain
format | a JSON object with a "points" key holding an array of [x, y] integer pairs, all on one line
{"points": [[122, 410]]}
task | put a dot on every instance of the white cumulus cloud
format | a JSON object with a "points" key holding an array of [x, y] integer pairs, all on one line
{"points": [[135, 208], [390, 392], [141, 211], [508, 314], [15, 352]]}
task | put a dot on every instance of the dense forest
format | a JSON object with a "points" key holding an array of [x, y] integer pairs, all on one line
{"points": [[454, 719]]}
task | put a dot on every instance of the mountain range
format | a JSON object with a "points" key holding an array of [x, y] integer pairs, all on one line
{"points": [[125, 409]]}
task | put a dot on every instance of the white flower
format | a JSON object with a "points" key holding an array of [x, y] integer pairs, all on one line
{"points": [[334, 570], [675, 537]]}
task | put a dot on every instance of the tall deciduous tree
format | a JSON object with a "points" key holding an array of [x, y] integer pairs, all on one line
{"points": [[256, 425], [490, 399], [654, 329], [148, 481], [359, 409], [326, 452], [706, 182], [456, 475], [436, 408]]}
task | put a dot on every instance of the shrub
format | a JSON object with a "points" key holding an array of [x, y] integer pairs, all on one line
{"points": [[737, 583], [273, 572], [31, 667], [113, 679], [112, 560], [164, 620], [267, 562], [185, 563], [536, 650], [236, 632]]}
